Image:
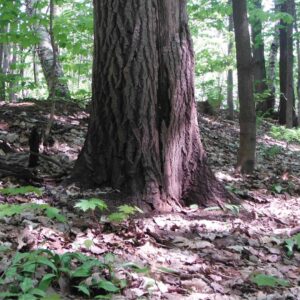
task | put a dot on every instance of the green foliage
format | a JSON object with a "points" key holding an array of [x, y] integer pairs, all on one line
{"points": [[277, 188], [123, 213], [292, 243], [263, 280], [91, 204], [24, 282], [136, 268], [8, 210], [23, 190], [272, 152], [285, 134]]}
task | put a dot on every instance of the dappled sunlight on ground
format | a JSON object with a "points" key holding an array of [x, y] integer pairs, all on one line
{"points": [[192, 254]]}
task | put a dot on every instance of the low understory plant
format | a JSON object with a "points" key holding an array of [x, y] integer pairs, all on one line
{"points": [[23, 190], [286, 134], [272, 152], [264, 280], [292, 244], [93, 204], [32, 275], [9, 210]]}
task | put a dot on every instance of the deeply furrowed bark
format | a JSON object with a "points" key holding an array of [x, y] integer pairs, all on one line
{"points": [[143, 135]]}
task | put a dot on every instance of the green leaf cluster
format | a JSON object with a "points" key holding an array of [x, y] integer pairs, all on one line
{"points": [[123, 213], [286, 134], [23, 190], [263, 280], [31, 274], [292, 243], [9, 210]]}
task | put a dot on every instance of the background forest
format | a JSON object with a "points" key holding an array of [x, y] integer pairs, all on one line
{"points": [[109, 188], [22, 73]]}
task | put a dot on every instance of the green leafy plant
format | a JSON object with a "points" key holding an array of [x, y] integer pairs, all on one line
{"points": [[31, 274], [272, 152], [236, 191], [292, 243], [263, 280], [91, 204], [277, 188], [13, 191], [286, 134], [8, 210], [123, 213]]}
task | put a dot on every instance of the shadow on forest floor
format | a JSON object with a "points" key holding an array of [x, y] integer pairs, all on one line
{"points": [[194, 254]]}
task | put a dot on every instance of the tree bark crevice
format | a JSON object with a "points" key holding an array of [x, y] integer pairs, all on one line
{"points": [[143, 136]]}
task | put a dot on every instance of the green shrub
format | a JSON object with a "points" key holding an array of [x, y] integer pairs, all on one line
{"points": [[285, 134]]}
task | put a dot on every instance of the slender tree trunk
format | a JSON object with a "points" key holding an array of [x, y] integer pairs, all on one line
{"points": [[143, 135], [230, 72], [22, 61], [12, 81], [271, 71], [298, 63], [272, 61], [286, 106], [54, 83], [246, 155], [2, 82], [35, 72], [46, 56], [5, 63], [259, 65]]}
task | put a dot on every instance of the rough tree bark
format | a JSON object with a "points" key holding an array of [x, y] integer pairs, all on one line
{"points": [[286, 105], [259, 65], [230, 71], [143, 135], [246, 155], [46, 56]]}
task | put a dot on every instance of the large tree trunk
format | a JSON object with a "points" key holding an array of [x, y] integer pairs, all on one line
{"points": [[259, 65], [143, 135], [230, 71], [55, 80], [286, 106], [246, 155]]}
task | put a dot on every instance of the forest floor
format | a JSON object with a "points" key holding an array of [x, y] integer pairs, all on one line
{"points": [[237, 253]]}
